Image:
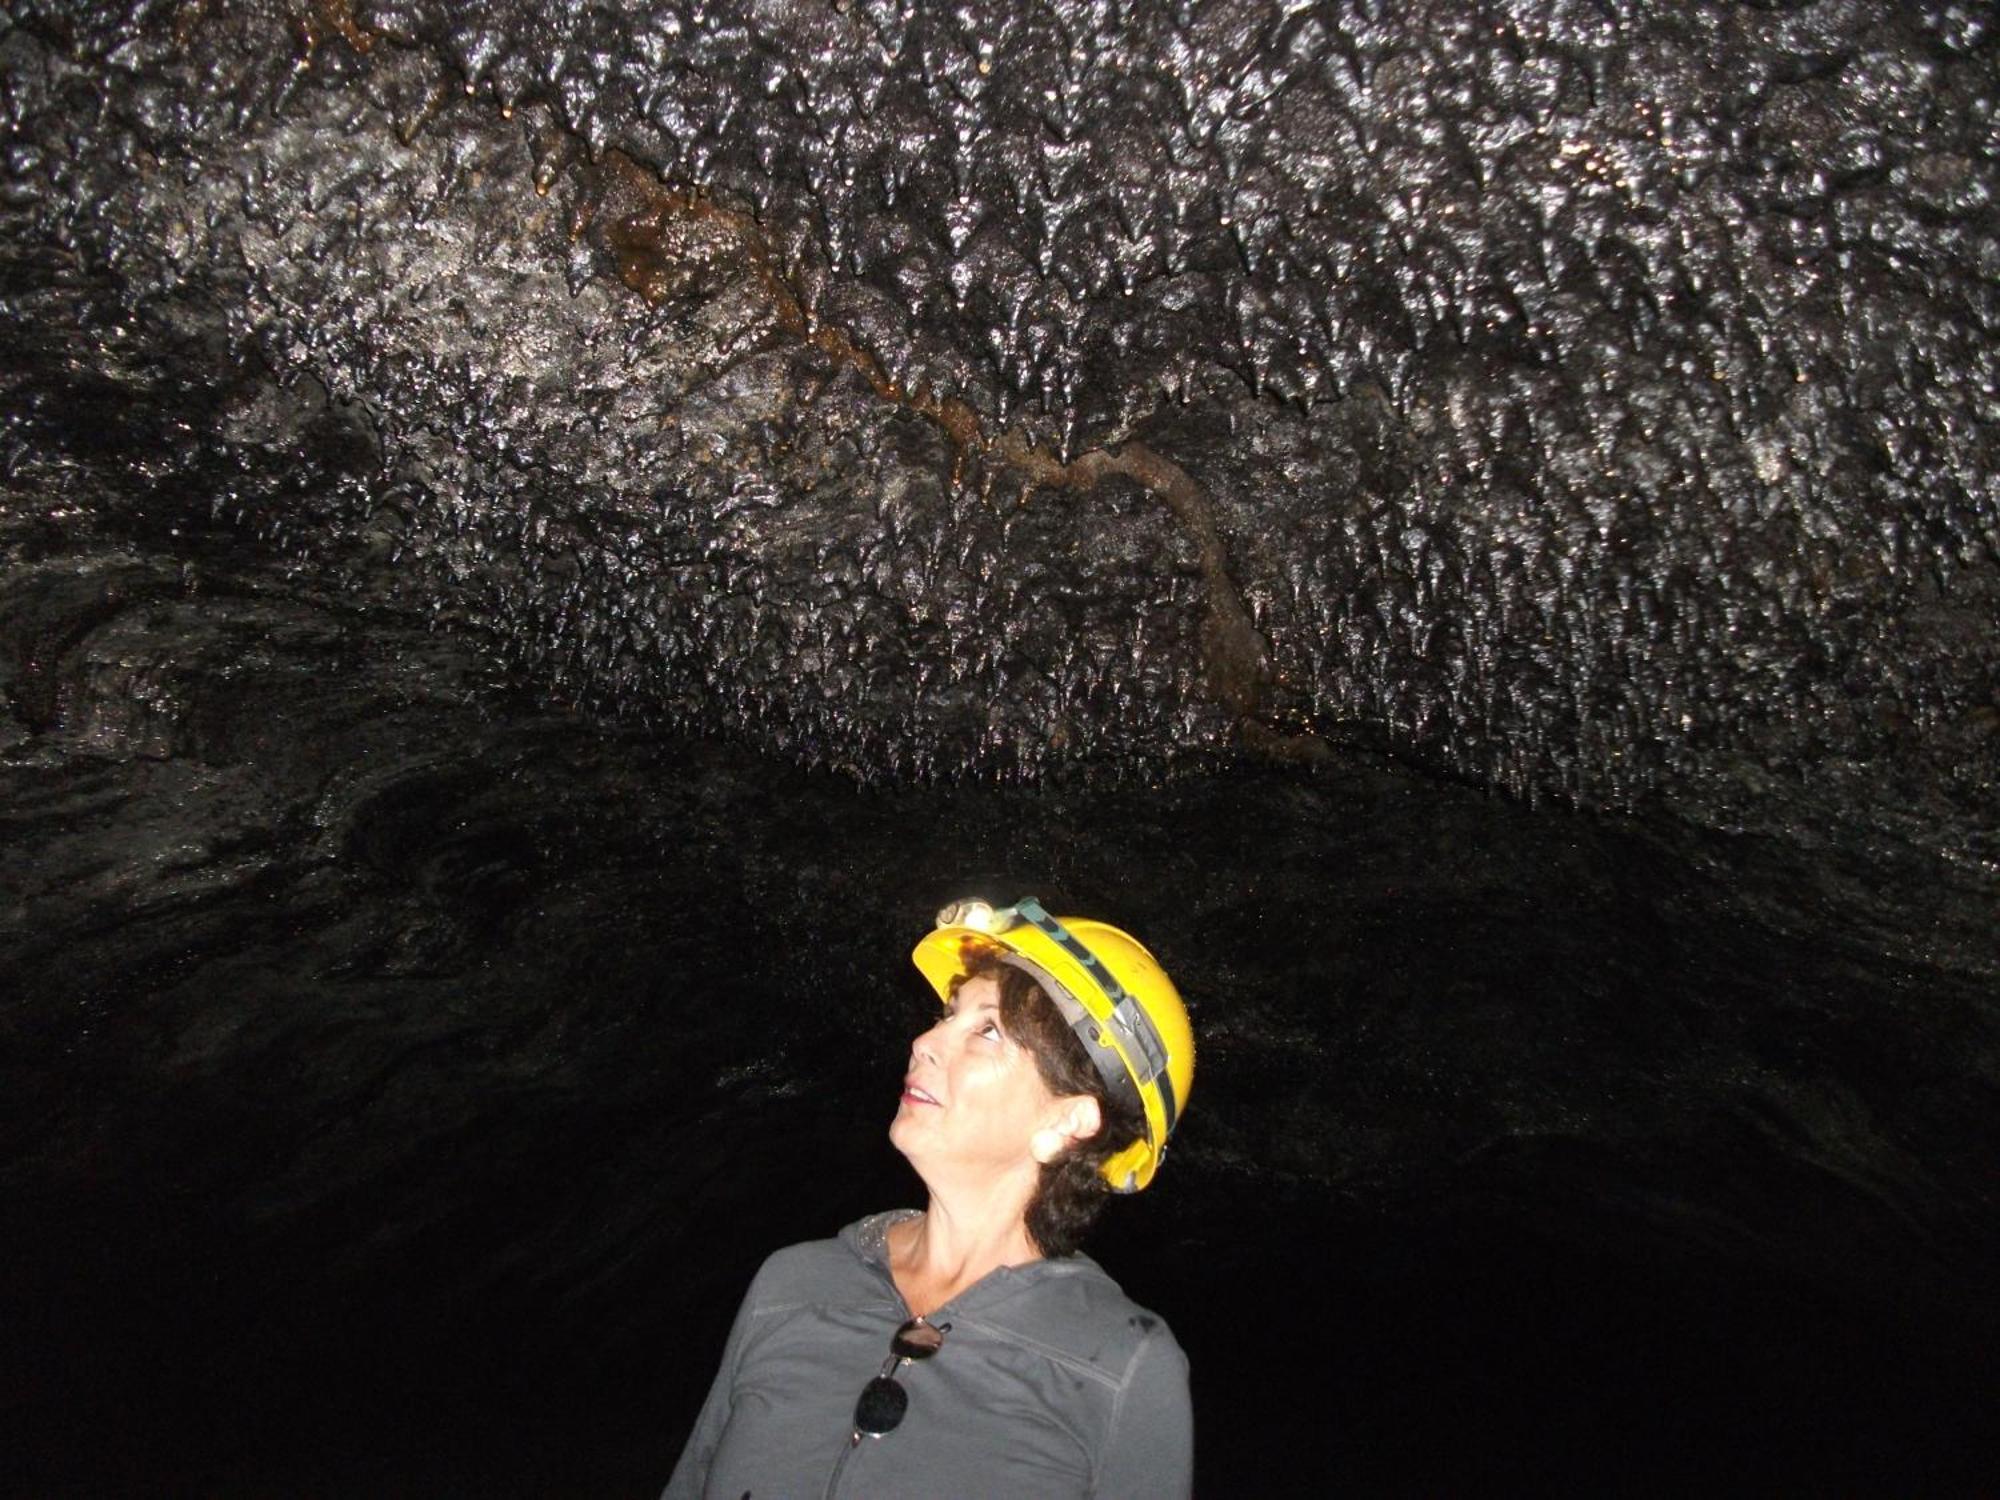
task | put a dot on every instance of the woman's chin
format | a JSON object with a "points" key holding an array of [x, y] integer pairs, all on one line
{"points": [[908, 1136]]}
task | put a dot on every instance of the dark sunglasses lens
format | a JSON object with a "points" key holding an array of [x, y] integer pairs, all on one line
{"points": [[881, 1407], [917, 1340]]}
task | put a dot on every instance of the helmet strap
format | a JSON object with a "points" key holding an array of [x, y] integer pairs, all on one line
{"points": [[1110, 1066]]}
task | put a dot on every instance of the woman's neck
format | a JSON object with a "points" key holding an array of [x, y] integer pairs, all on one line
{"points": [[953, 1245]]}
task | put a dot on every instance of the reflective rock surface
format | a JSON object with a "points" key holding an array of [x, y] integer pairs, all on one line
{"points": [[534, 552]]}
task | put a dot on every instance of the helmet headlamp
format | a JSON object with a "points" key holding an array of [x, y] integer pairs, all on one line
{"points": [[978, 915]]}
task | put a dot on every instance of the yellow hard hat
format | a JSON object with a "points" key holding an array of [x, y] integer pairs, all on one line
{"points": [[1114, 994]]}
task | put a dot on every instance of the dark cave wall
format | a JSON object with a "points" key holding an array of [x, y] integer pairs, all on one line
{"points": [[402, 1080], [1585, 399]]}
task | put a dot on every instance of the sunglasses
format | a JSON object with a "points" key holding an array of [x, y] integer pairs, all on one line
{"points": [[883, 1401]]}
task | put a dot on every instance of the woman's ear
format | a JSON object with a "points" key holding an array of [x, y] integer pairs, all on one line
{"points": [[1074, 1119], [1081, 1118]]}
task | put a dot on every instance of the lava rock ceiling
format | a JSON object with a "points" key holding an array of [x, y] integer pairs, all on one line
{"points": [[519, 520], [1584, 399]]}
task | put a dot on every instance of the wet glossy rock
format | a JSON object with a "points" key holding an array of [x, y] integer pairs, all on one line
{"points": [[1588, 404]]}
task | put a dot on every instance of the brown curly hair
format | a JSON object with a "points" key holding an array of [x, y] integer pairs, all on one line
{"points": [[1072, 1189]]}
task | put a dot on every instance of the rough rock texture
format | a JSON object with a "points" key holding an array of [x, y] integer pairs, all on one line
{"points": [[1584, 399], [535, 549]]}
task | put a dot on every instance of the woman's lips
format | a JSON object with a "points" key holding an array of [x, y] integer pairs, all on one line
{"points": [[914, 1095]]}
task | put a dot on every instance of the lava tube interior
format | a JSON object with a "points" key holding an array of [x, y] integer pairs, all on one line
{"points": [[541, 542]]}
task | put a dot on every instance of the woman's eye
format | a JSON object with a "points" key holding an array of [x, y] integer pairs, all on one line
{"points": [[990, 1030]]}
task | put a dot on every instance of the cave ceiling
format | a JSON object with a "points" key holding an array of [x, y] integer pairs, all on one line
{"points": [[1585, 400]]}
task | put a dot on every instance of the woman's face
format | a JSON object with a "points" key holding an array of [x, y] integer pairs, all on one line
{"points": [[972, 1097]]}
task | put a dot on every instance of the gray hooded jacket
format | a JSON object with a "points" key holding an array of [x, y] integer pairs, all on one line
{"points": [[1051, 1382]]}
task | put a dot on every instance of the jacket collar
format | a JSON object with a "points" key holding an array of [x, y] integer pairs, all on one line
{"points": [[868, 1240]]}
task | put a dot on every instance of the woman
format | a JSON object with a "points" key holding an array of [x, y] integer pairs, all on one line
{"points": [[1003, 1362]]}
